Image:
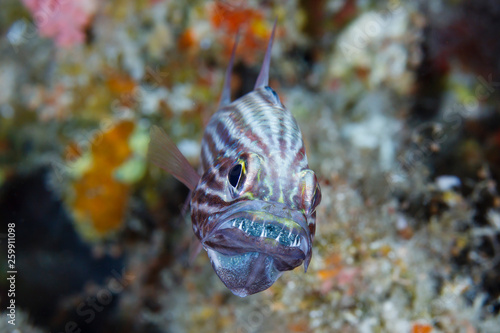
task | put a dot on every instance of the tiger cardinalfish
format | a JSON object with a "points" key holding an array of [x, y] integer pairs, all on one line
{"points": [[253, 208]]}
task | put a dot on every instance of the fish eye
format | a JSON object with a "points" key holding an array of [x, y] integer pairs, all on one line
{"points": [[234, 175]]}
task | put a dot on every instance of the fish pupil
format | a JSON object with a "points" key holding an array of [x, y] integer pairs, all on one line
{"points": [[234, 175]]}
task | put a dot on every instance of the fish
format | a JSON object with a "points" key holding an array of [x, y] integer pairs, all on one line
{"points": [[253, 208]]}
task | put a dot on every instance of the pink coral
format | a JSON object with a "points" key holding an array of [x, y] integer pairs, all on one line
{"points": [[63, 20]]}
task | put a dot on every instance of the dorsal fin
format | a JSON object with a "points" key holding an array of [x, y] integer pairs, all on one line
{"points": [[165, 154], [225, 97], [263, 79]]}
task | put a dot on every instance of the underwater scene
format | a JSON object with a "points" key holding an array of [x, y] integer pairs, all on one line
{"points": [[249, 166]]}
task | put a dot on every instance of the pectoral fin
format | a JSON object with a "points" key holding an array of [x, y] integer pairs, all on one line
{"points": [[165, 154], [194, 249]]}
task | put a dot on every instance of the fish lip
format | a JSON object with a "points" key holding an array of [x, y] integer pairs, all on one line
{"points": [[273, 211]]}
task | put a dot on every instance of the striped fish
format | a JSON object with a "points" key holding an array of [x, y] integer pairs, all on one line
{"points": [[253, 208]]}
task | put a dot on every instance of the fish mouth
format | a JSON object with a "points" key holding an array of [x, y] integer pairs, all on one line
{"points": [[269, 228]]}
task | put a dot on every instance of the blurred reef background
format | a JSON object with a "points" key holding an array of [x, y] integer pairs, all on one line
{"points": [[399, 105]]}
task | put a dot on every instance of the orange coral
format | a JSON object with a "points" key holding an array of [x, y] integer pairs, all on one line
{"points": [[255, 30], [336, 273], [299, 326], [187, 39], [334, 266], [101, 199], [421, 328], [121, 84]]}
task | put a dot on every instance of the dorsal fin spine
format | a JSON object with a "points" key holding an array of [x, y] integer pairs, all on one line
{"points": [[225, 97], [263, 79]]}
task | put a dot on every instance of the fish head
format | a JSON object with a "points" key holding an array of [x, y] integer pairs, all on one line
{"points": [[252, 239]]}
